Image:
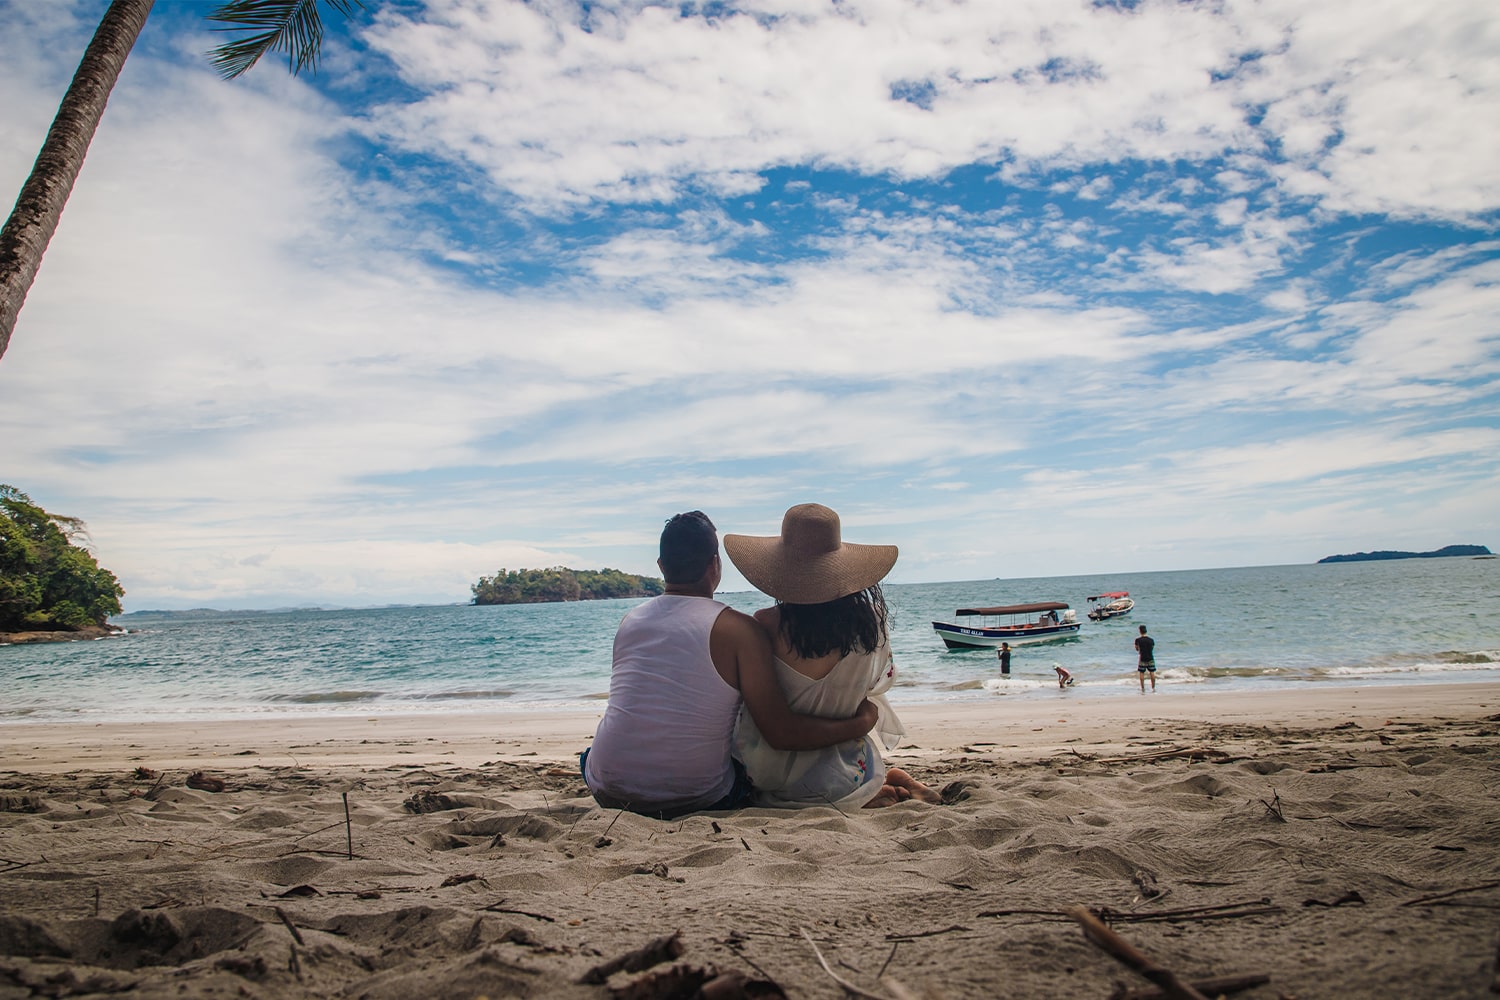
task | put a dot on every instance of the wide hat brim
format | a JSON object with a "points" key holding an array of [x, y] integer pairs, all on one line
{"points": [[809, 562]]}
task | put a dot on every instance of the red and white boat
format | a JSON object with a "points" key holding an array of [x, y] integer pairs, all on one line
{"points": [[1111, 605]]}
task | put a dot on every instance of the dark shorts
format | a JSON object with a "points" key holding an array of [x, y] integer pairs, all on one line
{"points": [[738, 796], [1145, 666]]}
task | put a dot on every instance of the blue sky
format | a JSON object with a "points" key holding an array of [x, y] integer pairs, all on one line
{"points": [[1027, 289]]}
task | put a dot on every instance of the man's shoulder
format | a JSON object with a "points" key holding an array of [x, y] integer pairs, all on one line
{"points": [[732, 622]]}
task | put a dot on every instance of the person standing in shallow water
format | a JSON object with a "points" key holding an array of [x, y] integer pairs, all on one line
{"points": [[1004, 655], [1145, 648]]}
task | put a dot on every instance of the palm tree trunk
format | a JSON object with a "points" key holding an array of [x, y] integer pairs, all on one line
{"points": [[39, 207]]}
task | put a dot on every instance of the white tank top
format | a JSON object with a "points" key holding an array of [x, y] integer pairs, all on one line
{"points": [[665, 737]]}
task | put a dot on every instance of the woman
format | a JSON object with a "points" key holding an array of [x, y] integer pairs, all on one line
{"points": [[828, 631]]}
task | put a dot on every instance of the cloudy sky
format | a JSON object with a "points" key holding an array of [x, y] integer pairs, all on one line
{"points": [[1028, 288]]}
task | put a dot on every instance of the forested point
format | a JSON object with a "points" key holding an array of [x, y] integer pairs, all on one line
{"points": [[47, 583], [1442, 553], [538, 586]]}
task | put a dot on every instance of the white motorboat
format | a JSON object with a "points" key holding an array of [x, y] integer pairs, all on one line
{"points": [[1017, 624]]}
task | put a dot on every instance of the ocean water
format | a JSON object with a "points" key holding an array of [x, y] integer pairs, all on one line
{"points": [[1417, 621]]}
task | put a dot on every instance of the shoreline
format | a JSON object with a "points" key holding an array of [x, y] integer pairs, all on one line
{"points": [[1014, 727], [85, 634]]}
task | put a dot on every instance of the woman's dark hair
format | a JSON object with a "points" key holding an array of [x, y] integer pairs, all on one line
{"points": [[855, 622], [689, 543]]}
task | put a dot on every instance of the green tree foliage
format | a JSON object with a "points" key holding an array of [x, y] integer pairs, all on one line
{"points": [[46, 582], [535, 586]]}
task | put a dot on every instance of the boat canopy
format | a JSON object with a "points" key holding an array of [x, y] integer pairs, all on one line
{"points": [[1014, 609], [1115, 594]]}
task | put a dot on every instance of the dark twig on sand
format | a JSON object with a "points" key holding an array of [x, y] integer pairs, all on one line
{"points": [[348, 828], [1273, 808], [495, 907], [151, 792], [1054, 914], [922, 934], [848, 986], [1127, 954], [1159, 755], [654, 952], [1495, 982], [302, 837], [296, 934], [1451, 892], [1225, 911], [1208, 987]]}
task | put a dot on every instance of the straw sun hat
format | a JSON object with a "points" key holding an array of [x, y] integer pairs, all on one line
{"points": [[808, 563]]}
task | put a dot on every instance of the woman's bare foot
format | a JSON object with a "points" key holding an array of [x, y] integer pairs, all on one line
{"points": [[913, 788], [899, 787]]}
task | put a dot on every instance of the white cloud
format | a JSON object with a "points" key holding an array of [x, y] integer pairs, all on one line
{"points": [[1373, 108], [263, 368]]}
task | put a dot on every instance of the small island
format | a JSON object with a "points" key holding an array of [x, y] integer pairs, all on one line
{"points": [[1442, 553], [539, 586]]}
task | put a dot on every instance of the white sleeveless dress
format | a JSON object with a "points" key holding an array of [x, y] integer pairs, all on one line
{"points": [[846, 775]]}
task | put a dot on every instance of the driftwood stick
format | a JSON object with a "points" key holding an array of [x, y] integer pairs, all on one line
{"points": [[1127, 954], [1451, 892], [348, 828], [848, 986], [1208, 987], [662, 949]]}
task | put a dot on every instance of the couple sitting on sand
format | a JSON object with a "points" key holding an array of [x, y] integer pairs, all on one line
{"points": [[712, 709]]}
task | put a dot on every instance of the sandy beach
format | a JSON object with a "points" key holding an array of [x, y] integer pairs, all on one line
{"points": [[1329, 843]]}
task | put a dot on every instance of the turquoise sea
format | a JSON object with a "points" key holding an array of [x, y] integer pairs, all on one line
{"points": [[1415, 621]]}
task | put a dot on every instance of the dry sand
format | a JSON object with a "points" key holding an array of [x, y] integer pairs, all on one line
{"points": [[1345, 843]]}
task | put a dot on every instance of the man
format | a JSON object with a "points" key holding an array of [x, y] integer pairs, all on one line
{"points": [[683, 664], [1145, 648], [1004, 655]]}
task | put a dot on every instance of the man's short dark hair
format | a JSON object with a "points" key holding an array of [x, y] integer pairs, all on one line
{"points": [[689, 543]]}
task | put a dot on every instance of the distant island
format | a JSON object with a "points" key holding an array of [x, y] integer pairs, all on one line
{"points": [[1447, 550], [539, 586]]}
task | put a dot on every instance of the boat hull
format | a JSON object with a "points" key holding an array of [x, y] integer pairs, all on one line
{"points": [[979, 637]]}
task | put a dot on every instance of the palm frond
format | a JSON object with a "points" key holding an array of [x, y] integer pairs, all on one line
{"points": [[290, 26]]}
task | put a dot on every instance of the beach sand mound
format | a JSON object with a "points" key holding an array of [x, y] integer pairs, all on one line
{"points": [[1341, 862]]}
